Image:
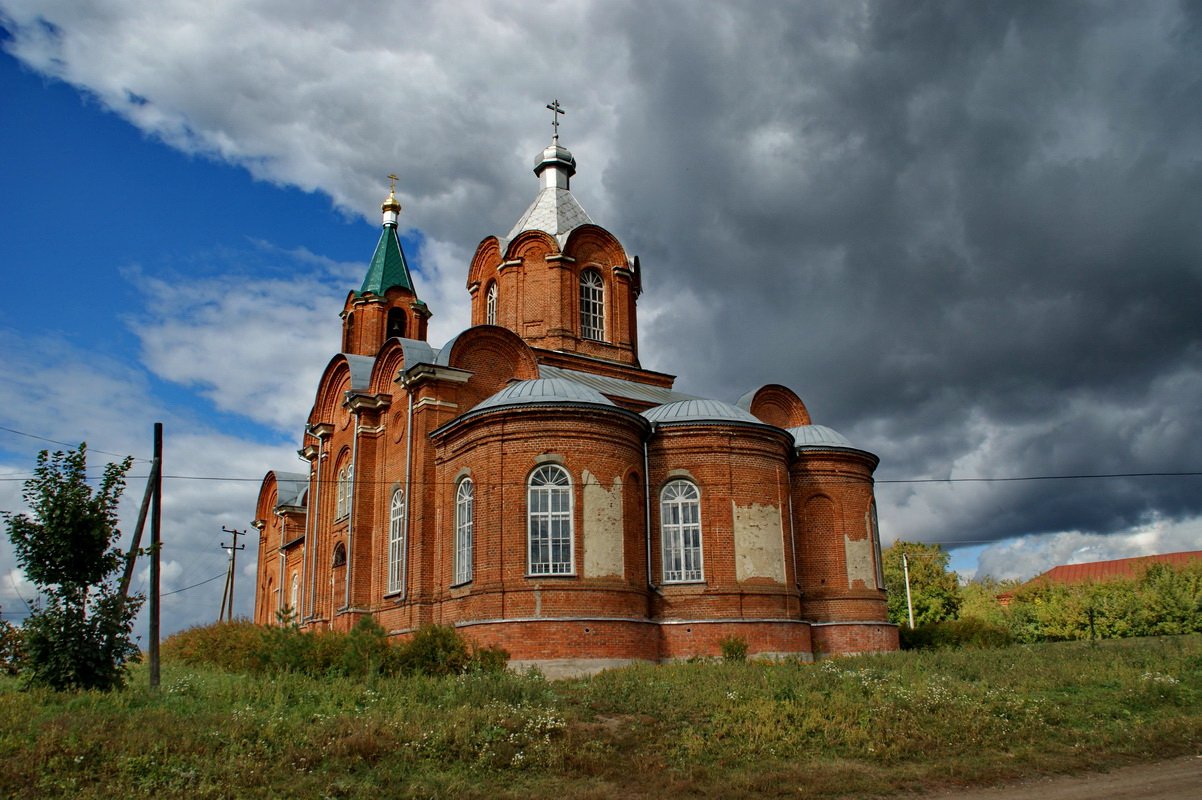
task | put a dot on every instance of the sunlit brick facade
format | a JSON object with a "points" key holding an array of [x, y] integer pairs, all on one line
{"points": [[531, 484]]}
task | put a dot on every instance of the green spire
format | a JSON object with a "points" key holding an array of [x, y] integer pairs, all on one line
{"points": [[388, 267]]}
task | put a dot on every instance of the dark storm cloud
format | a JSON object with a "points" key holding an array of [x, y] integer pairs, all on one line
{"points": [[981, 219], [967, 233]]}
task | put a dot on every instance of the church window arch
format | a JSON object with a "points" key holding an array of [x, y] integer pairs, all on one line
{"points": [[549, 521], [395, 325], [340, 495], [465, 501], [348, 335], [294, 594], [680, 531], [490, 304], [396, 542], [592, 305], [339, 555]]}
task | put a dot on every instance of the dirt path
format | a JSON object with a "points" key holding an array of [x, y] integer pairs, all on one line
{"points": [[1177, 779]]}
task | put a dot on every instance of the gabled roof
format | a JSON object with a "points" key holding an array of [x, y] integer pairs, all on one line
{"points": [[1111, 570], [387, 268]]}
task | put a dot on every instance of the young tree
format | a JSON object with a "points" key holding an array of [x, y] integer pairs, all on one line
{"points": [[934, 590], [80, 637]]}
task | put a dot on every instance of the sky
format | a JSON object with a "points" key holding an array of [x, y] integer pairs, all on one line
{"points": [[966, 234]]}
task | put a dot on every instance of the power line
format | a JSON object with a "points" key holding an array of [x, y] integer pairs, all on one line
{"points": [[193, 586], [69, 444]]}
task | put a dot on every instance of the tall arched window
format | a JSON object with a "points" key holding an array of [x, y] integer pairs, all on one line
{"points": [[549, 521], [348, 489], [395, 326], [348, 336], [396, 542], [340, 495], [680, 527], [464, 510], [339, 555], [490, 304], [592, 305], [294, 596]]}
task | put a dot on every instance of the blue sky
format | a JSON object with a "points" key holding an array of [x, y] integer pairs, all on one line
{"points": [[966, 236]]}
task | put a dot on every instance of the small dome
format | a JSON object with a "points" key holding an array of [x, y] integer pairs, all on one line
{"points": [[544, 391], [556, 154], [391, 203], [699, 410], [807, 436]]}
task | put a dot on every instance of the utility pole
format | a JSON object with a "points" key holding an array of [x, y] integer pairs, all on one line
{"points": [[227, 602], [156, 513], [909, 603]]}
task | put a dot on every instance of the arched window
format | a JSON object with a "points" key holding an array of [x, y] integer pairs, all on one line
{"points": [[396, 323], [294, 595], [348, 337], [592, 305], [340, 495], [464, 508], [549, 521], [348, 489], [340, 555], [490, 304], [680, 527], [396, 542]]}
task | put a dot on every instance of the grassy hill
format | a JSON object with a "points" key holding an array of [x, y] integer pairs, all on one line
{"points": [[846, 727]]}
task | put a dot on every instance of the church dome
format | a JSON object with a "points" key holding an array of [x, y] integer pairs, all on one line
{"points": [[557, 155], [544, 391], [818, 436], [699, 410]]}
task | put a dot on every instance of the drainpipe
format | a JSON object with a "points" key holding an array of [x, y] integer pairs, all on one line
{"points": [[408, 476], [647, 506], [350, 522], [315, 515]]}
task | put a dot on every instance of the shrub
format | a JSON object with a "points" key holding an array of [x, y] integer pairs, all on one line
{"points": [[734, 648], [11, 649], [969, 632], [233, 646], [434, 650]]}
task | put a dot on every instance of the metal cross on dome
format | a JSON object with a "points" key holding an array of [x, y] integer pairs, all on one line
{"points": [[392, 179], [556, 110]]}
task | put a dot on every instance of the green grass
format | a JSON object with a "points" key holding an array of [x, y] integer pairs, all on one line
{"points": [[847, 727]]}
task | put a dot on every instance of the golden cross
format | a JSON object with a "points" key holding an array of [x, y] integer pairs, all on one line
{"points": [[392, 179]]}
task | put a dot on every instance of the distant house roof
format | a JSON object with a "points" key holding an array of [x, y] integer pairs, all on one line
{"points": [[1111, 570]]}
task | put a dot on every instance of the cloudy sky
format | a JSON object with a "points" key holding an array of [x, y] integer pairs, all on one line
{"points": [[969, 235]]}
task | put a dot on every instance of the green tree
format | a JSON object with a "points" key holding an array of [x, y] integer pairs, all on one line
{"points": [[79, 636], [934, 590], [979, 599]]}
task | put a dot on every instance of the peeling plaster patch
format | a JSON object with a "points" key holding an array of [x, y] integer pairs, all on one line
{"points": [[759, 542], [603, 554], [859, 561]]}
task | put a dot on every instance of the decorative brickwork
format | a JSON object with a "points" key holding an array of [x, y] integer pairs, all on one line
{"points": [[571, 449]]}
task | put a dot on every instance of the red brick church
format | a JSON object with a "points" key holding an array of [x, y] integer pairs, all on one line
{"points": [[531, 484]]}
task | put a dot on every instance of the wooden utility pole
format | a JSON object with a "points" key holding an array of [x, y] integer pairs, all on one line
{"points": [[227, 602]]}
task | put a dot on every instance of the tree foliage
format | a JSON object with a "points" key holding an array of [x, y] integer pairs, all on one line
{"points": [[78, 637], [933, 589]]}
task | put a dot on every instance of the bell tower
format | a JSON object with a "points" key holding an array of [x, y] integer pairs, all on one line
{"points": [[386, 305]]}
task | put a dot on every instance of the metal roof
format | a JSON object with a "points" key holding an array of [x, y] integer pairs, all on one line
{"points": [[360, 370], [700, 410], [291, 488], [615, 387], [387, 268], [544, 391], [806, 436], [554, 211]]}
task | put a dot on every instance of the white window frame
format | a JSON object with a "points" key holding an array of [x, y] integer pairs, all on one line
{"points": [[550, 540], [294, 594], [490, 304], [396, 542], [340, 495], [680, 532], [465, 502], [592, 305]]}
